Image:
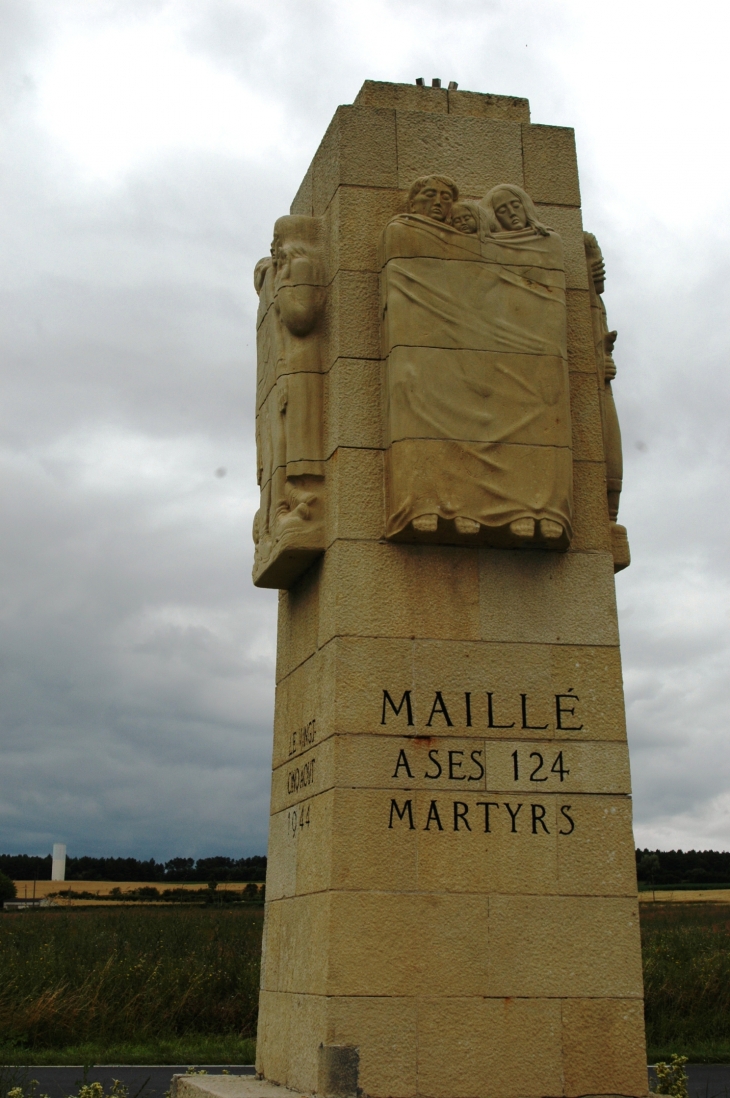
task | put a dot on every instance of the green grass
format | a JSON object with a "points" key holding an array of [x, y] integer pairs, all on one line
{"points": [[686, 951], [192, 1049], [115, 985]]}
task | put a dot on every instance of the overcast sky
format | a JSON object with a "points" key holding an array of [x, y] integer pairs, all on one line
{"points": [[146, 149]]}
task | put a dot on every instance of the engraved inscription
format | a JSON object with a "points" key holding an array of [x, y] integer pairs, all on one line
{"points": [[297, 819], [443, 815], [482, 710], [299, 777], [302, 738]]}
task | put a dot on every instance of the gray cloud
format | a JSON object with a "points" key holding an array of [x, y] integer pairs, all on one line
{"points": [[136, 660]]}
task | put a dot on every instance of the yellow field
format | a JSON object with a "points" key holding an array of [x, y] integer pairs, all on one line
{"points": [[102, 889], [700, 896]]}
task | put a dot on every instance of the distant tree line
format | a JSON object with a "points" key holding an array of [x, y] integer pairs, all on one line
{"points": [[27, 867], [683, 867]]}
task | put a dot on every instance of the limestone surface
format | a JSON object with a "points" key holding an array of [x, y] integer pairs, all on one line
{"points": [[451, 893]]}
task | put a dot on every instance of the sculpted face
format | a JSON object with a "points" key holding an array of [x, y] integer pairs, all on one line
{"points": [[434, 200], [509, 211], [463, 219]]}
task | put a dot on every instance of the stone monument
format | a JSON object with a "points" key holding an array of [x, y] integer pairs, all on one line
{"points": [[451, 892]]}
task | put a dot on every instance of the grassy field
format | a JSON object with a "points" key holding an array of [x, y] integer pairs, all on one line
{"points": [[115, 985], [686, 949], [180, 984]]}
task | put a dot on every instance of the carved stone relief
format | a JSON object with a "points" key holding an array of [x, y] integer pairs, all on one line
{"points": [[288, 529], [478, 414], [604, 341]]}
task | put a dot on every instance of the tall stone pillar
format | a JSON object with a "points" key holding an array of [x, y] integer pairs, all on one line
{"points": [[451, 892]]}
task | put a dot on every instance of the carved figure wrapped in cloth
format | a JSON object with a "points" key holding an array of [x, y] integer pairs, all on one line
{"points": [[478, 414]]}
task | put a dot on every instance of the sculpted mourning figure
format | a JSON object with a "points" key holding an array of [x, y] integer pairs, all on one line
{"points": [[465, 217], [288, 527], [474, 324], [604, 341]]}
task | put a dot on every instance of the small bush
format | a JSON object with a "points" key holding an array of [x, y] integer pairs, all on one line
{"points": [[672, 1078]]}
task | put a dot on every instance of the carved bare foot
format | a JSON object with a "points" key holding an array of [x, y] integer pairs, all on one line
{"points": [[427, 524], [550, 529], [523, 528], [466, 525]]}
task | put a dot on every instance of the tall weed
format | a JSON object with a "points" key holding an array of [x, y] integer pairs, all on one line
{"points": [[117, 975], [686, 950]]}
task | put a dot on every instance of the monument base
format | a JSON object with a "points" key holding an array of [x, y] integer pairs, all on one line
{"points": [[249, 1086]]}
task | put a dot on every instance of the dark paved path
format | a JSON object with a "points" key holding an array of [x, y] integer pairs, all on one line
{"points": [[153, 1081], [705, 1080]]}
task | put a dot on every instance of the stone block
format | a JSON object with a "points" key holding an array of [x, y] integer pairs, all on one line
{"points": [[291, 1029], [415, 839], [403, 97], [444, 954], [567, 221], [357, 509], [507, 108], [495, 1048], [347, 694], [352, 317], [304, 706], [357, 216], [564, 946], [591, 529], [304, 832], [353, 404], [304, 776], [297, 944], [298, 621], [602, 1051], [310, 826], [458, 764], [281, 871], [548, 598], [477, 152], [400, 590], [386, 1033], [476, 861], [368, 853], [598, 857], [359, 150], [581, 348], [551, 166], [222, 1086], [585, 417]]}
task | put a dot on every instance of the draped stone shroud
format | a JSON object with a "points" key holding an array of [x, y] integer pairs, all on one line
{"points": [[478, 412]]}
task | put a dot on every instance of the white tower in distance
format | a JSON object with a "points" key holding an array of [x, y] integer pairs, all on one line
{"points": [[58, 868]]}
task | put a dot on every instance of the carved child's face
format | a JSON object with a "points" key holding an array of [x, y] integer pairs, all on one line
{"points": [[434, 200], [463, 219], [509, 211]]}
